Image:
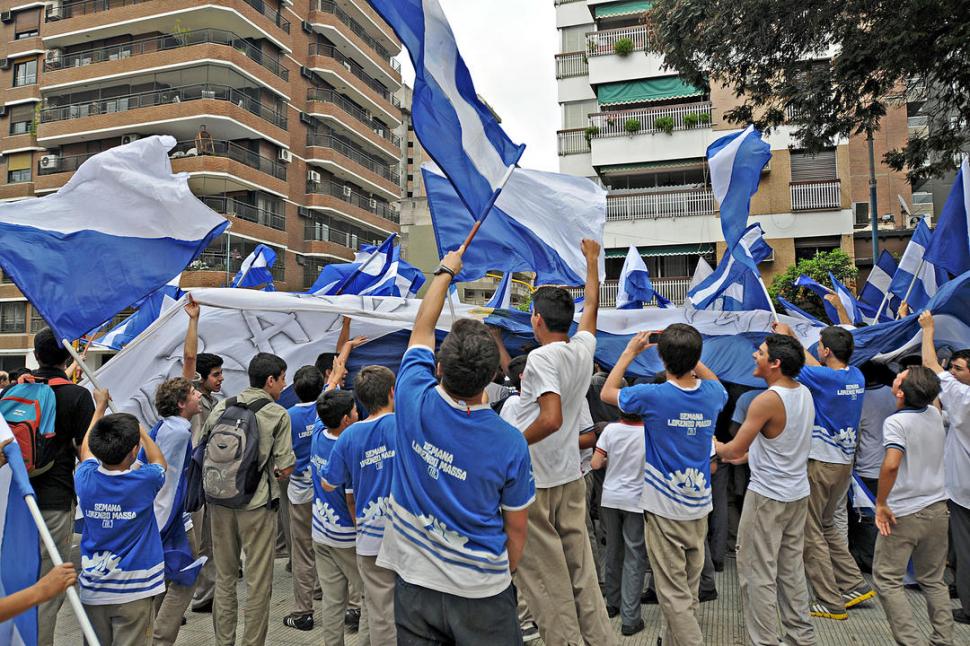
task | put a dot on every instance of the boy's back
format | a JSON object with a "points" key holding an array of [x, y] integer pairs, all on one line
{"points": [[622, 443]]}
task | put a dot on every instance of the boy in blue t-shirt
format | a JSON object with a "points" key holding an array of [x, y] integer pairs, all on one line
{"points": [[461, 487], [334, 534], [122, 563], [361, 463], [678, 418]]}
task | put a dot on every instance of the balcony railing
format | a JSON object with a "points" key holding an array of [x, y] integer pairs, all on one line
{"points": [[573, 142], [345, 193], [348, 106], [317, 230], [559, 2], [601, 43], [164, 43], [328, 141], [326, 6], [53, 164], [685, 116], [210, 260], [231, 150], [65, 10], [809, 196], [663, 204], [673, 289], [321, 49], [162, 97], [571, 64], [243, 211]]}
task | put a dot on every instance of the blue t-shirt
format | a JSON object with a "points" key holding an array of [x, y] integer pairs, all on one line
{"points": [[838, 396], [362, 462], [303, 417], [121, 549], [456, 468], [679, 430], [332, 523]]}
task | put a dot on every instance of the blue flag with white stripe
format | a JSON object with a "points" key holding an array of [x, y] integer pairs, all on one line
{"points": [[736, 162], [821, 291], [537, 225], [950, 247], [502, 298], [256, 269], [752, 248], [146, 314], [796, 312], [457, 129], [876, 290], [917, 289], [19, 542], [849, 302], [121, 227], [745, 294], [635, 289], [385, 275]]}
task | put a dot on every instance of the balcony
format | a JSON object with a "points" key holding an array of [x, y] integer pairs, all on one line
{"points": [[352, 197], [349, 77], [382, 64], [317, 231], [68, 10], [684, 117], [662, 204], [571, 64], [215, 261], [247, 212], [375, 133], [673, 289], [229, 150], [618, 137], [383, 177], [573, 142], [603, 43], [816, 195]]}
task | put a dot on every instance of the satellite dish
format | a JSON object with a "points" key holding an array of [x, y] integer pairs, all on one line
{"points": [[903, 205]]}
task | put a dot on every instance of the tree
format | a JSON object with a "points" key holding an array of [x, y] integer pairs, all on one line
{"points": [[836, 261], [833, 65]]}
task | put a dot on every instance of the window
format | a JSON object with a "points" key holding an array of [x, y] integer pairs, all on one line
{"points": [[13, 317], [576, 115], [574, 38], [819, 167], [807, 248], [21, 119], [25, 73], [37, 322], [18, 168], [27, 24], [10, 362]]}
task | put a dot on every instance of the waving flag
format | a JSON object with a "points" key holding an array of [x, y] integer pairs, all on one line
{"points": [[256, 268], [701, 271], [749, 250], [384, 275], [950, 247], [876, 290], [502, 298], [635, 288], [457, 129], [796, 312], [821, 291], [536, 225], [736, 163], [745, 294], [19, 542], [848, 300], [917, 280], [120, 228], [148, 312]]}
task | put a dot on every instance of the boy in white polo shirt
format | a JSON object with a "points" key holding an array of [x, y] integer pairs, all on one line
{"points": [[911, 509]]}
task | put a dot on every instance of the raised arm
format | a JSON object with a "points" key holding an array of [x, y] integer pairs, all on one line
{"points": [[503, 353], [434, 300], [784, 328], [591, 296], [153, 454], [101, 398], [338, 372], [930, 360], [704, 373], [190, 352], [836, 302], [610, 393]]}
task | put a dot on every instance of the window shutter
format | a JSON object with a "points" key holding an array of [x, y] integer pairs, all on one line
{"points": [[813, 168], [18, 161], [22, 112], [27, 20]]}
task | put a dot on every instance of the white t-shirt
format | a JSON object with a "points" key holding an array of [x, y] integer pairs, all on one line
{"points": [[919, 434], [622, 445], [565, 369], [956, 460], [877, 404]]}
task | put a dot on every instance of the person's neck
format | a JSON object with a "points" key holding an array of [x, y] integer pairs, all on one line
{"points": [[545, 337], [337, 431], [687, 380], [778, 379], [835, 364], [271, 395], [185, 415], [124, 466], [477, 400], [387, 410]]}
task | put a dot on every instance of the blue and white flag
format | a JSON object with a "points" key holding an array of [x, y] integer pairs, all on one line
{"points": [[635, 289], [460, 132], [745, 294], [502, 298], [736, 163], [796, 312], [400, 279], [19, 542], [917, 290], [121, 227], [860, 498], [148, 312], [752, 248], [385, 275], [876, 290], [950, 247], [848, 300], [536, 225], [256, 268], [821, 291]]}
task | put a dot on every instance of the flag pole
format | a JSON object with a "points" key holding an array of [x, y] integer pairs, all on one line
{"points": [[882, 306], [764, 288], [478, 223], [360, 269], [86, 370], [912, 283]]}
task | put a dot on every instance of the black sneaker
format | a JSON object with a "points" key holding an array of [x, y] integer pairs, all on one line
{"points": [[530, 632], [300, 622], [853, 598], [352, 619], [632, 630], [649, 597], [204, 607], [961, 617], [612, 611], [707, 595]]}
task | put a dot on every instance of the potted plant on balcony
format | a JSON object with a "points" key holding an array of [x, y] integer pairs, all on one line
{"points": [[623, 46], [703, 118], [590, 132], [691, 119], [664, 124], [632, 126]]}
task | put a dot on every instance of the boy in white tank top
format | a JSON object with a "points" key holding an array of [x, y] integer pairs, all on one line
{"points": [[775, 438]]}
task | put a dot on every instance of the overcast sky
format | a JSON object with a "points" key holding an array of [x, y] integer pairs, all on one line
{"points": [[509, 46]]}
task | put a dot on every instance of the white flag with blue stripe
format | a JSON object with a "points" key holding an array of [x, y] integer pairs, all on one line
{"points": [[635, 289], [120, 228], [950, 246], [917, 280], [457, 129], [744, 295], [848, 300], [876, 290], [796, 312], [736, 162], [502, 298], [148, 312], [256, 269], [750, 249]]}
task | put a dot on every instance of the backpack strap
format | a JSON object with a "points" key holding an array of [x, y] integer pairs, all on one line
{"points": [[258, 405]]}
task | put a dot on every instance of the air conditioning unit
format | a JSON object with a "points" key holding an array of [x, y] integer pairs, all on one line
{"points": [[54, 11], [3, 110], [306, 72], [50, 162], [54, 55], [313, 176], [129, 138], [6, 17], [373, 203], [348, 191], [307, 27], [380, 132], [347, 65], [285, 155], [306, 119], [4, 63], [303, 211]]}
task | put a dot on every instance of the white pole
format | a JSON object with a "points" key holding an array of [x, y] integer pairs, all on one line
{"points": [[882, 306], [75, 601], [764, 288], [87, 371], [912, 283], [451, 305]]}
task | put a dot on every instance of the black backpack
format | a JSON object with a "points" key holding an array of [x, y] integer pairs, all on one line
{"points": [[228, 458]]}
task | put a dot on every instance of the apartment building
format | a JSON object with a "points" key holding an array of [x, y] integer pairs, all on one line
{"points": [[284, 111], [635, 126]]}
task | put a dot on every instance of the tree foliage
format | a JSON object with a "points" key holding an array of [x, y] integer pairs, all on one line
{"points": [[834, 65], [837, 261]]}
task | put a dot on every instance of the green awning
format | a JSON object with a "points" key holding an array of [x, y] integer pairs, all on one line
{"points": [[625, 8], [672, 164], [698, 249], [645, 91]]}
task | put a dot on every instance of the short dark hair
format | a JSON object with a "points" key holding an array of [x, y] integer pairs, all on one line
{"points": [[516, 368], [373, 387], [168, 395], [961, 354], [680, 348], [333, 406], [556, 307], [324, 362], [839, 341], [468, 358], [48, 351], [630, 417], [205, 363], [788, 351], [308, 383], [263, 366], [113, 438], [920, 387], [878, 374]]}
